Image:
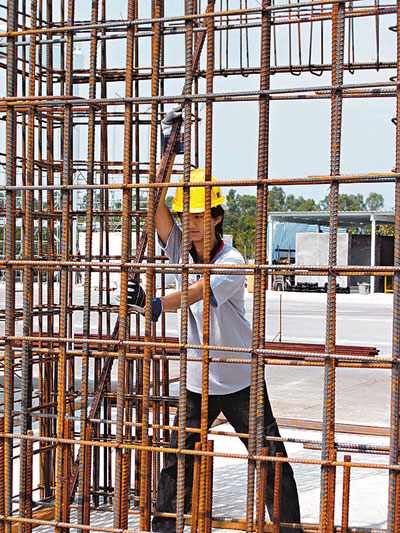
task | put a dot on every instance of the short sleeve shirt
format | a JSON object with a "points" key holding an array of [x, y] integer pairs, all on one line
{"points": [[228, 323]]}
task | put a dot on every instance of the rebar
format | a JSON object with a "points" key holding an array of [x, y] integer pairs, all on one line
{"points": [[87, 386]]}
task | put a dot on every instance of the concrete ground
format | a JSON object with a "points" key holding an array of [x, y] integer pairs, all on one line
{"points": [[362, 397]]}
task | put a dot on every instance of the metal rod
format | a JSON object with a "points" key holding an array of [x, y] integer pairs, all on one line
{"points": [[98, 433]]}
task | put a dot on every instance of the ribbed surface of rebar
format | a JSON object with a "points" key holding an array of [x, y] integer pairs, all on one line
{"points": [[87, 383]]}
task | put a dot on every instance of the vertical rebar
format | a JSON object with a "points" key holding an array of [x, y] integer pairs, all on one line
{"points": [[328, 426], [49, 367], [11, 150], [206, 259], [393, 518], [26, 367], [125, 252], [107, 453], [2, 479], [261, 493], [256, 410], [195, 490], [346, 494], [180, 499], [276, 520], [145, 503], [209, 487], [27, 511], [85, 451], [61, 510]]}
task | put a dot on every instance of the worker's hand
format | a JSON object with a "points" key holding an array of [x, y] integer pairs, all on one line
{"points": [[169, 119], [136, 298]]}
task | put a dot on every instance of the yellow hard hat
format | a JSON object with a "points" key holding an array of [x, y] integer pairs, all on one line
{"points": [[197, 194]]}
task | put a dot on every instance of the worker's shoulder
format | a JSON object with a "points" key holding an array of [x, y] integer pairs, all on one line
{"points": [[229, 254]]}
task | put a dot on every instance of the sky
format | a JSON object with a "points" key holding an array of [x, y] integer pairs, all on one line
{"points": [[299, 129]]}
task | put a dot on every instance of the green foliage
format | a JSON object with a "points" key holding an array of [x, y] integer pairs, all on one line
{"points": [[239, 221], [356, 202], [374, 202], [240, 214], [386, 230]]}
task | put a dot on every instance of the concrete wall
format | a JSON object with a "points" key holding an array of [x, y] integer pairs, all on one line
{"points": [[312, 249]]}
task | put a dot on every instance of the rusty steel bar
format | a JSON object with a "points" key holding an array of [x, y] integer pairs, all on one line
{"points": [[293, 180], [123, 24], [119, 495], [346, 494], [257, 400], [145, 482], [276, 528], [11, 150], [195, 491], [206, 257], [48, 461], [2, 480], [262, 219], [393, 518], [189, 452], [85, 453], [261, 493], [61, 511], [328, 433], [209, 488], [58, 341], [186, 244], [28, 483], [367, 90], [26, 394]]}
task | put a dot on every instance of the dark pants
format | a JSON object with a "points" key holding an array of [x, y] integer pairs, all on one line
{"points": [[235, 407]]}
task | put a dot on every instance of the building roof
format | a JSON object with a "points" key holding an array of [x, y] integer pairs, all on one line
{"points": [[346, 218]]}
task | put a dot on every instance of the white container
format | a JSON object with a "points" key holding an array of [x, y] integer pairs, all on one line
{"points": [[363, 288]]}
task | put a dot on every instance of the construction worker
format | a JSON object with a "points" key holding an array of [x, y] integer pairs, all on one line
{"points": [[229, 384]]}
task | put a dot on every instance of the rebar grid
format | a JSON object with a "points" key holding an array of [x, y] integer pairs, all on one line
{"points": [[84, 433]]}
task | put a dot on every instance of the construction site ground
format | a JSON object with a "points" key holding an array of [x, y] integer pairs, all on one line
{"points": [[362, 398]]}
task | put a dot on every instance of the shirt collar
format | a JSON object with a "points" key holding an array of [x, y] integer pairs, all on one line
{"points": [[214, 252]]}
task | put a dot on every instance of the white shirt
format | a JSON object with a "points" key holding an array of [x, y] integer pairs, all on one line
{"points": [[228, 323]]}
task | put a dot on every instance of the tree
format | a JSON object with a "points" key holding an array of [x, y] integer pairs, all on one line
{"points": [[298, 203], [276, 199], [356, 202], [347, 202], [240, 221], [374, 202]]}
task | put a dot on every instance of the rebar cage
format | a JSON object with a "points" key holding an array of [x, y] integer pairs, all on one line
{"points": [[87, 386]]}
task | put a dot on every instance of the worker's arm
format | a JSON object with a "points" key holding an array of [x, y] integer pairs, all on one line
{"points": [[172, 302], [163, 219]]}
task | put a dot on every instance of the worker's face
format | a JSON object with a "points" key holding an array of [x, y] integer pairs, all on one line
{"points": [[196, 226]]}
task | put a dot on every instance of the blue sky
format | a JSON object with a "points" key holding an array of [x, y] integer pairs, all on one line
{"points": [[299, 132]]}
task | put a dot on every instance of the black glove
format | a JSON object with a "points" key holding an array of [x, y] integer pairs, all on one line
{"points": [[136, 298]]}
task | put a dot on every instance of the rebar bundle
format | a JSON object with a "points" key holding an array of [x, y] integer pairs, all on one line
{"points": [[87, 385]]}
